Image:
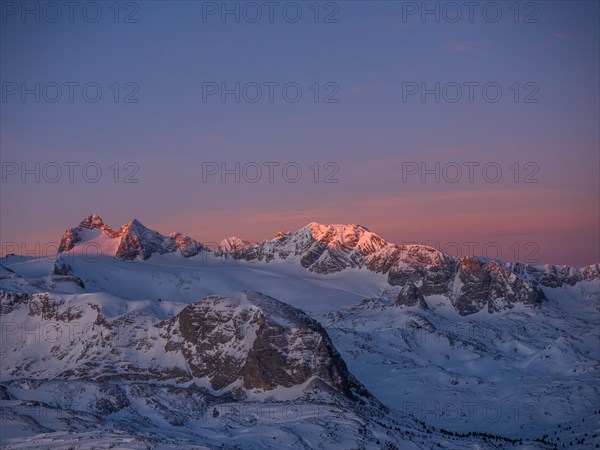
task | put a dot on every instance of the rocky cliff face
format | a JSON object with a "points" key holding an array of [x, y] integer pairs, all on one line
{"points": [[410, 295], [254, 341], [424, 266], [61, 267], [493, 286], [139, 241]]}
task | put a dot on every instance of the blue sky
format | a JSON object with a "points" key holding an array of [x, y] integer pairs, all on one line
{"points": [[368, 55]]}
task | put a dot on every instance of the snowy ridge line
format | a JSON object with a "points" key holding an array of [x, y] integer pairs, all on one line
{"points": [[417, 272], [341, 237], [318, 247]]}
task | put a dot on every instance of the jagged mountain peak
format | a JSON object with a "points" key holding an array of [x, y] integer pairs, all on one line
{"points": [[472, 283], [323, 248], [339, 231], [281, 234], [134, 223], [131, 241], [92, 221], [234, 244], [345, 237], [337, 225], [133, 226]]}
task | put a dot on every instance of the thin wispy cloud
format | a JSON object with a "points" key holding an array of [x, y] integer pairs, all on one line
{"points": [[460, 46], [564, 36]]}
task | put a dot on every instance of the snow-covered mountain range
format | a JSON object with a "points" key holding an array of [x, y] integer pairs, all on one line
{"points": [[131, 241], [371, 344]]}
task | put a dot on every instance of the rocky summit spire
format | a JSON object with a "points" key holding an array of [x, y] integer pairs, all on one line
{"points": [[92, 221]]}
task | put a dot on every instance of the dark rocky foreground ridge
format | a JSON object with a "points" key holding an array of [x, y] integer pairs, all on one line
{"points": [[234, 344], [258, 340]]}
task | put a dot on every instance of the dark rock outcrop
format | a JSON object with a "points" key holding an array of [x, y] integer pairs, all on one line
{"points": [[257, 341], [61, 267], [491, 285], [410, 295]]}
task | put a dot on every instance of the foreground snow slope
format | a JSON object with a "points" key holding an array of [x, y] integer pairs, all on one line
{"points": [[244, 370]]}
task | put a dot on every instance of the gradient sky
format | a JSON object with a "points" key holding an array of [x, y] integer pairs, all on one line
{"points": [[369, 53]]}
